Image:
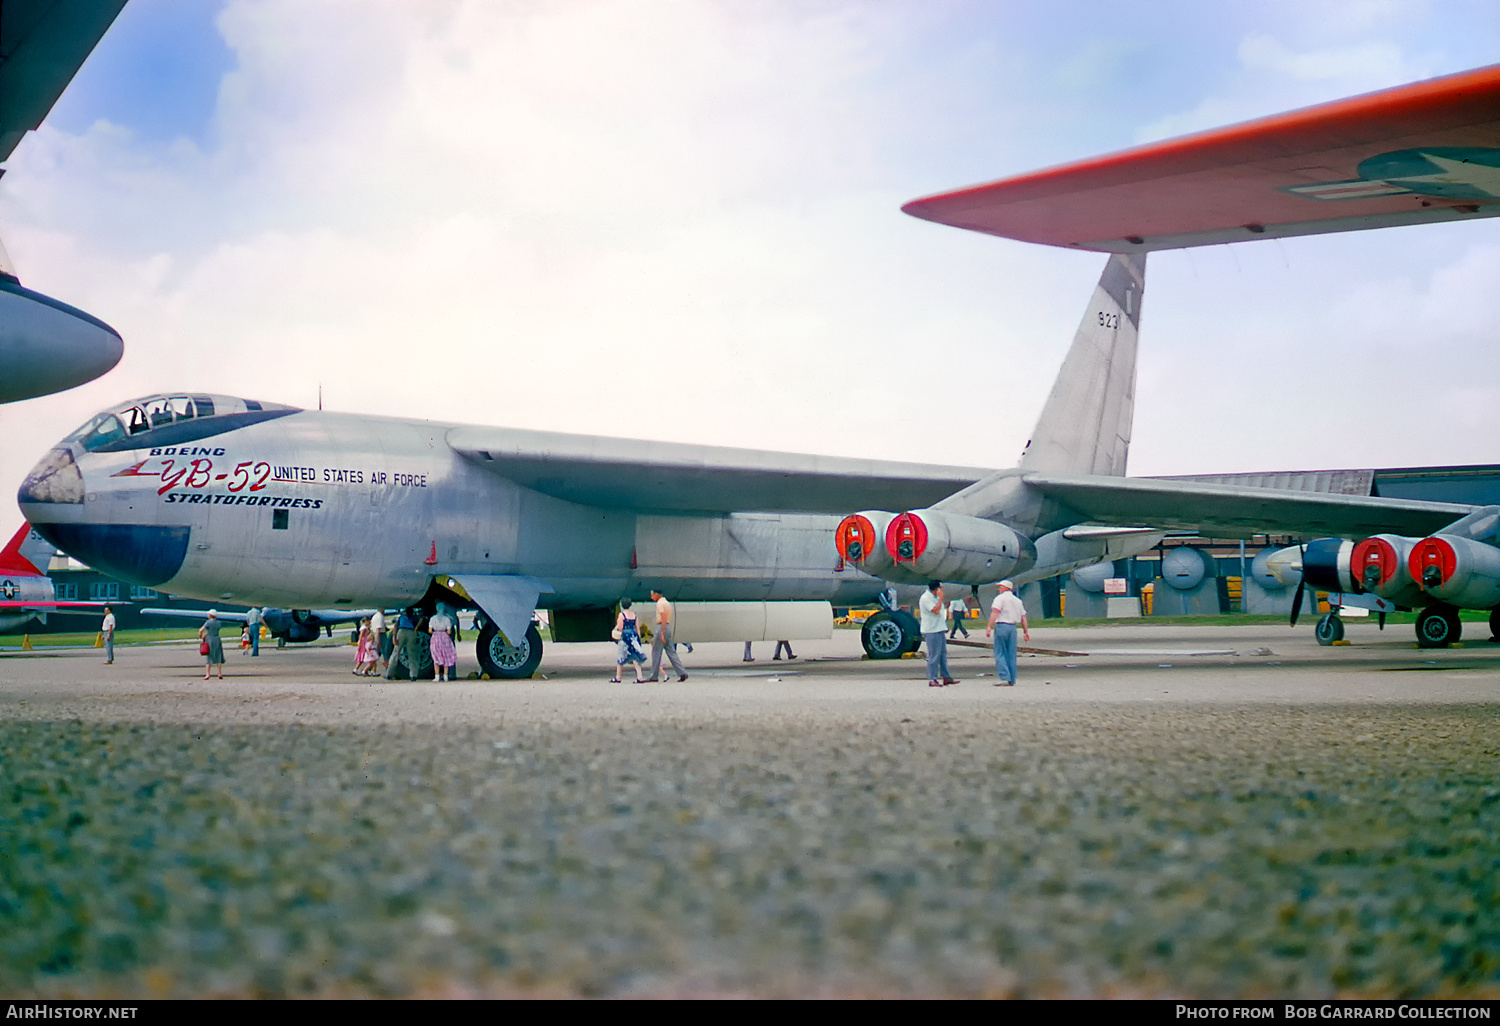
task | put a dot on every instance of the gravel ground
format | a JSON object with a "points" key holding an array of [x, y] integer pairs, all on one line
{"points": [[1296, 825]]}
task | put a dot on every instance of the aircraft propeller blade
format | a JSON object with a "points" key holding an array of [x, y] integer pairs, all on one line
{"points": [[1301, 586], [1380, 617]]}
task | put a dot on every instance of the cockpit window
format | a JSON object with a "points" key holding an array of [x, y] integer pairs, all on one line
{"points": [[142, 415], [100, 431]]}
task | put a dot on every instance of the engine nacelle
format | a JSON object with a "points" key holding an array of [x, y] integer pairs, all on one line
{"points": [[932, 544], [1380, 565], [860, 539], [1458, 571], [1327, 566]]}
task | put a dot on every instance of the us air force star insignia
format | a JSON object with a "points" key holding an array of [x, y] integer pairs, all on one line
{"points": [[1452, 172], [9, 590]]}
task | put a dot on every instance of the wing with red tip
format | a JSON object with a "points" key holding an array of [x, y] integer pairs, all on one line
{"points": [[1415, 154]]}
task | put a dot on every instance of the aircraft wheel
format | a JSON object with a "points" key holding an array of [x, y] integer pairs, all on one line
{"points": [[1438, 627], [504, 661], [912, 627], [886, 636], [1495, 624], [424, 663], [1330, 628]]}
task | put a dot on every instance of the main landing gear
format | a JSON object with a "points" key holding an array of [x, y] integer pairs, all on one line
{"points": [[890, 634], [504, 661], [1438, 626]]}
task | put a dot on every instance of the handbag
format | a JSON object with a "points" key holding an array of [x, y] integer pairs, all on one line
{"points": [[615, 634], [203, 647]]}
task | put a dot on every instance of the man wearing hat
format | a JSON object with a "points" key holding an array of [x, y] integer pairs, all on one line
{"points": [[1005, 613], [935, 634]]}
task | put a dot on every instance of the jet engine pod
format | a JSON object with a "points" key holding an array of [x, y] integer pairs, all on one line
{"points": [[860, 539], [932, 544], [1458, 571], [1326, 566], [1380, 565]]}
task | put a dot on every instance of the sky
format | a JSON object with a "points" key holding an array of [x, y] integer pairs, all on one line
{"points": [[679, 219]]}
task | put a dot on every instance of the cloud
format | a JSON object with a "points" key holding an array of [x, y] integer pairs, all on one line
{"points": [[1272, 77]]}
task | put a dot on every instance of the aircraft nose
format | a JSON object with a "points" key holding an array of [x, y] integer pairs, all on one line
{"points": [[1286, 565], [47, 346], [56, 479], [52, 499]]}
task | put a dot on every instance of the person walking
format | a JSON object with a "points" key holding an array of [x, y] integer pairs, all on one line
{"points": [[364, 651], [787, 645], [382, 639], [253, 619], [662, 640], [935, 635], [407, 647], [960, 610], [627, 635], [107, 628], [1006, 612], [444, 651], [208, 635]]}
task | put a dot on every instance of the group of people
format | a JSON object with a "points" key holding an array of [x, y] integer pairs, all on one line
{"points": [[1007, 614], [437, 633], [375, 644], [628, 645]]}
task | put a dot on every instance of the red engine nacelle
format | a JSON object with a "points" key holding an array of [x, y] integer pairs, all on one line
{"points": [[1380, 565], [931, 543], [860, 540], [1459, 571]]}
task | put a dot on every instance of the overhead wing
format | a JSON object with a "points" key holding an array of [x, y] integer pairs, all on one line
{"points": [[61, 607], [194, 614], [1424, 152], [679, 477], [1230, 510], [42, 45]]}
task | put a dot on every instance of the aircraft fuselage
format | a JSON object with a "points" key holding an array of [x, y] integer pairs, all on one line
{"points": [[300, 509]]}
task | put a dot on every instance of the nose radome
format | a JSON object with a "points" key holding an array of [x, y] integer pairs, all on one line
{"points": [[56, 479], [144, 555]]}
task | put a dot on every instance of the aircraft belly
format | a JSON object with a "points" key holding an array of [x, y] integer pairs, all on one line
{"points": [[747, 557]]}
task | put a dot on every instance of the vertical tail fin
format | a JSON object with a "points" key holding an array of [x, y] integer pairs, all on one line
{"points": [[1085, 425], [11, 560]]}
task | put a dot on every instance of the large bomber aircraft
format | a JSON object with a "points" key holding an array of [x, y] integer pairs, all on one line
{"points": [[46, 346], [229, 499], [1417, 154], [219, 498]]}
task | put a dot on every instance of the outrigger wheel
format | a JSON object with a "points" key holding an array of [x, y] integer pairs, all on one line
{"points": [[1330, 628], [504, 661]]}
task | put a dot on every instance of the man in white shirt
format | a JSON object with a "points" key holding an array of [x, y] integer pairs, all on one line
{"points": [[107, 628], [1006, 612], [935, 634], [663, 640], [382, 643], [960, 609]]}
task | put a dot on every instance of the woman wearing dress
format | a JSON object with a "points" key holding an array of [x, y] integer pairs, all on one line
{"points": [[444, 652], [364, 651], [628, 648], [209, 634]]}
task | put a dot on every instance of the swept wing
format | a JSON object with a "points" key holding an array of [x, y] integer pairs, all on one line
{"points": [[1418, 153], [1231, 510], [681, 477]]}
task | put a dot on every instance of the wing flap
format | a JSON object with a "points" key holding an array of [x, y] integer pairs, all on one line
{"points": [[681, 477], [1228, 510]]}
